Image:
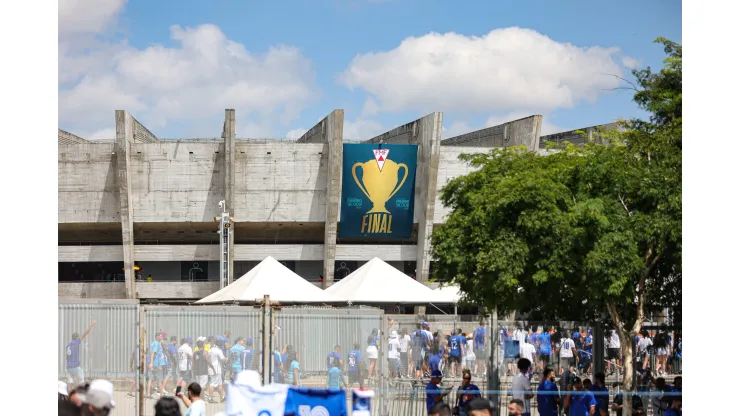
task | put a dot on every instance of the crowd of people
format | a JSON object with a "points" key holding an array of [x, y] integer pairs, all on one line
{"points": [[201, 367]]}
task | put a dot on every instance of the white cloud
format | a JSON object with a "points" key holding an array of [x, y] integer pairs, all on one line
{"points": [[190, 83], [296, 133], [87, 16], [362, 129], [630, 63], [510, 69]]}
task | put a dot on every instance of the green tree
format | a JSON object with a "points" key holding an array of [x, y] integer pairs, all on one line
{"points": [[582, 231]]}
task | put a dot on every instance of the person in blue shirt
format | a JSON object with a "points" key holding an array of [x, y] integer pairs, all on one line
{"points": [[435, 393], [466, 393], [75, 375], [548, 395], [280, 372], [544, 348], [248, 362], [479, 345], [581, 401], [457, 343], [354, 366], [235, 357], [675, 409], [587, 352], [158, 364], [173, 371], [617, 404], [435, 360], [601, 393], [334, 356], [335, 378]]}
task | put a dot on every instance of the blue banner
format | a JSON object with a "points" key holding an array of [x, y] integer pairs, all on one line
{"points": [[378, 184]]}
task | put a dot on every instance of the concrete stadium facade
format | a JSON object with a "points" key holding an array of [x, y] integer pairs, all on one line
{"points": [[147, 202]]}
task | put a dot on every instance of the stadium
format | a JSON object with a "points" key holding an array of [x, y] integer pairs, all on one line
{"points": [[139, 216]]}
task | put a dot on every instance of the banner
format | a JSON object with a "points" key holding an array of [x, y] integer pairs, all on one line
{"points": [[378, 184]]}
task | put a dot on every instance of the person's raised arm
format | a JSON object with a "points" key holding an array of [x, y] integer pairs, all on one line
{"points": [[87, 331]]}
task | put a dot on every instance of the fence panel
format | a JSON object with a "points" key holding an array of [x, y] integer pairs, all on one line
{"points": [[313, 334], [105, 351], [194, 322]]}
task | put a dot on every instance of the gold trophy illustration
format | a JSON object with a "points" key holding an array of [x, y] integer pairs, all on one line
{"points": [[380, 179]]}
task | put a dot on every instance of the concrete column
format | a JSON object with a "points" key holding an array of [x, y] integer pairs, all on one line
{"points": [[124, 139], [330, 130], [229, 136], [427, 133]]}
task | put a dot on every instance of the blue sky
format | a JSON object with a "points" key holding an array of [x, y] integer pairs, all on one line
{"points": [[108, 61]]}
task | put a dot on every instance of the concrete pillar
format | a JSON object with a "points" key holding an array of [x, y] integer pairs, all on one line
{"points": [[124, 139], [427, 133], [330, 130], [229, 136]]}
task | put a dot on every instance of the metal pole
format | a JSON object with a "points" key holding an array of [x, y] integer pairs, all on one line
{"points": [[493, 366], [266, 310], [142, 360], [271, 353]]}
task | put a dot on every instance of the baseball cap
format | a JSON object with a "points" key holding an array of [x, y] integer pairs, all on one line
{"points": [[202, 338], [575, 380], [188, 339], [394, 334], [480, 404], [99, 395], [163, 333], [424, 325], [62, 388], [436, 373]]}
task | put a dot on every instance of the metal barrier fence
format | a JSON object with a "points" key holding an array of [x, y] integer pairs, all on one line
{"points": [[109, 350]]}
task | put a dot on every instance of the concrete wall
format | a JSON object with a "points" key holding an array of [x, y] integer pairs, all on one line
{"points": [[242, 253], [280, 181], [87, 183], [177, 181], [525, 131], [450, 166]]}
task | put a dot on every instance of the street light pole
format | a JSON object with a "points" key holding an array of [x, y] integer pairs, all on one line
{"points": [[224, 229]]}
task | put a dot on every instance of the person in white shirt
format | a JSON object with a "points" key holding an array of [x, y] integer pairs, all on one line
{"points": [[404, 339], [528, 351], [196, 406], [184, 360], [469, 353], [215, 360], [567, 353], [643, 352], [521, 386], [614, 351], [394, 354]]}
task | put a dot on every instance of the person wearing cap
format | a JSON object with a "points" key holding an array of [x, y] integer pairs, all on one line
{"points": [[434, 392], [98, 398], [75, 375], [158, 364], [580, 401], [480, 407]]}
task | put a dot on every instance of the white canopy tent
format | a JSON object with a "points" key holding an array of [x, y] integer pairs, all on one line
{"points": [[272, 278], [379, 282], [451, 292]]}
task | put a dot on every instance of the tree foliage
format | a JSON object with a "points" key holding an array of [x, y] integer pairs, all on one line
{"points": [[580, 232]]}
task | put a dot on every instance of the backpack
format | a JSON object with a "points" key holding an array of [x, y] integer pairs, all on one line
{"points": [[418, 339]]}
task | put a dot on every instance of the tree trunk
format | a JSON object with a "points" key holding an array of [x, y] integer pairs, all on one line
{"points": [[627, 346]]}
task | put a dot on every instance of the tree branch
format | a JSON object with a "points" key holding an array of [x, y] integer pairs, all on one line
{"points": [[634, 87], [624, 205]]}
